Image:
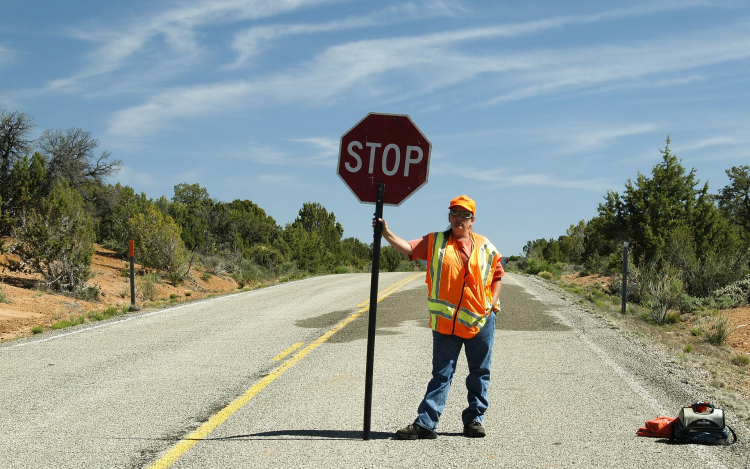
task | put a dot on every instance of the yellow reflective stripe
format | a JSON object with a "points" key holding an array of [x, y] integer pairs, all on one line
{"points": [[436, 264], [441, 308], [485, 256], [469, 319]]}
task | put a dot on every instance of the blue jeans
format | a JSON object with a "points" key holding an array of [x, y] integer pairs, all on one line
{"points": [[445, 352]]}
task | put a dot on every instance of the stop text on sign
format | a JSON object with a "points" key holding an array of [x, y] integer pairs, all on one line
{"points": [[413, 155]]}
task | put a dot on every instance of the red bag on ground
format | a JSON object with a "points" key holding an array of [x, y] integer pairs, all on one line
{"points": [[660, 427]]}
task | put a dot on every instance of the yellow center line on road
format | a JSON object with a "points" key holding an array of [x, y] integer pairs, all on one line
{"points": [[288, 351], [204, 430]]}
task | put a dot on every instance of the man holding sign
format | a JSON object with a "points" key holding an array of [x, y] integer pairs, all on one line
{"points": [[463, 279]]}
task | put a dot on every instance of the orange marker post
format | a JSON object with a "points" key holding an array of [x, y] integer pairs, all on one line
{"points": [[131, 249]]}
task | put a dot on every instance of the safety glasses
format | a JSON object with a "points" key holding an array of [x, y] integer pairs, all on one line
{"points": [[458, 213]]}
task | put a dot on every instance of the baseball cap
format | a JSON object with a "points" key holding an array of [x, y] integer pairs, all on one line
{"points": [[465, 203]]}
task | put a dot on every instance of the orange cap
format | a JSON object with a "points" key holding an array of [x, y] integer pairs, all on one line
{"points": [[465, 203]]}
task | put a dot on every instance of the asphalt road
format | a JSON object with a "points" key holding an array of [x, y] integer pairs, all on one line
{"points": [[275, 378]]}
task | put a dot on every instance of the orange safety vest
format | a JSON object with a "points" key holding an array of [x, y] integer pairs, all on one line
{"points": [[460, 300]]}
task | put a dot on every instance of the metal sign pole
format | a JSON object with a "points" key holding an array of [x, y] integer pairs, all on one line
{"points": [[377, 232]]}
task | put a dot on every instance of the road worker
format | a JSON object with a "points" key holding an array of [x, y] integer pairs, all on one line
{"points": [[464, 282]]}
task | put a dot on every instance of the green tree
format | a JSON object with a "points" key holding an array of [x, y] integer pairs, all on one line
{"points": [[116, 205], [572, 244], [57, 240], [390, 259], [193, 210], [356, 253], [158, 244], [249, 222], [734, 199], [314, 239], [15, 128], [669, 218], [25, 186], [607, 231]]}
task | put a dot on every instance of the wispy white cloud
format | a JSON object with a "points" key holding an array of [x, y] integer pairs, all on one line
{"points": [[176, 27], [399, 68], [6, 55], [547, 181], [253, 41], [327, 150], [587, 137], [709, 142], [179, 103], [266, 155], [605, 65], [500, 177]]}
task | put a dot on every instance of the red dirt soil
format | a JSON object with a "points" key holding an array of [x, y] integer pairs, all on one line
{"points": [[29, 307]]}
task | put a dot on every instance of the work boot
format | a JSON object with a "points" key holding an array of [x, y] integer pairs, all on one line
{"points": [[474, 430], [415, 432]]}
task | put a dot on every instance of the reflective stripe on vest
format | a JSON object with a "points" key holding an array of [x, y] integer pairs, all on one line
{"points": [[440, 305]]}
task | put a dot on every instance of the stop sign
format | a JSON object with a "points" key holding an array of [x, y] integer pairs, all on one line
{"points": [[387, 148]]}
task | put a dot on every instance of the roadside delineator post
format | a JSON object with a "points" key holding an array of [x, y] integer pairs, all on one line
{"points": [[131, 251], [624, 277]]}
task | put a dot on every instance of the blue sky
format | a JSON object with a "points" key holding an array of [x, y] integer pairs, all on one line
{"points": [[534, 109]]}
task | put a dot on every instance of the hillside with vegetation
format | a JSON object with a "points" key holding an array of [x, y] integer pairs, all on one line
{"points": [[688, 265], [57, 209]]}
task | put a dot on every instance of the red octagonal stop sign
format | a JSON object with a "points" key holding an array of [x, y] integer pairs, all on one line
{"points": [[387, 148]]}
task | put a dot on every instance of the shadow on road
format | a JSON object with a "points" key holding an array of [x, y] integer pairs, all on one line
{"points": [[306, 435]]}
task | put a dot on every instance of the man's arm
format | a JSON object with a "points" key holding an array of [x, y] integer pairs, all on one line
{"points": [[497, 285]]}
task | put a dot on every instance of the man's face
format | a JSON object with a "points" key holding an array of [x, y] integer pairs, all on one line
{"points": [[461, 220]]}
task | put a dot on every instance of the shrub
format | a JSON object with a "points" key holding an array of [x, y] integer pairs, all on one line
{"points": [[546, 275], [716, 327], [264, 256], [157, 239], [214, 264], [61, 324], [687, 304], [37, 330], [95, 316], [671, 318], [741, 360], [89, 293], [57, 240], [738, 291], [688, 348], [534, 265], [4, 298], [148, 288], [251, 272], [661, 288], [595, 264], [634, 286]]}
